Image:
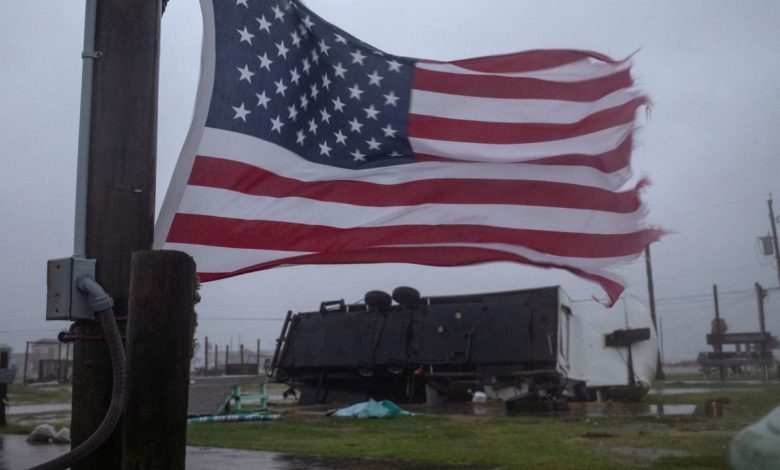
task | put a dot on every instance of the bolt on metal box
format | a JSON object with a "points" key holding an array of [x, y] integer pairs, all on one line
{"points": [[64, 301]]}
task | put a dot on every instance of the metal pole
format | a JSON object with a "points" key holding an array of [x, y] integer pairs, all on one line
{"points": [[26, 354], [773, 224], [258, 356], [88, 56], [659, 370], [59, 362], [718, 346]]}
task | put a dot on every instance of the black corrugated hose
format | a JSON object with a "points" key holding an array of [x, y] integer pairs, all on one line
{"points": [[102, 304]]}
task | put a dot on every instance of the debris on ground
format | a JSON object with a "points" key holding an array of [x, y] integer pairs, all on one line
{"points": [[372, 409], [46, 433]]}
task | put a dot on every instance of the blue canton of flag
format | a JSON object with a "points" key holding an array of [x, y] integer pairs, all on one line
{"points": [[285, 76]]}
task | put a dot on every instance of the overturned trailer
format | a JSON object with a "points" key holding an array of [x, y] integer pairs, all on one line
{"points": [[524, 346]]}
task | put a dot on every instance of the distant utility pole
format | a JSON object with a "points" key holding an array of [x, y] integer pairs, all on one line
{"points": [[760, 294], [773, 224], [659, 370], [717, 332]]}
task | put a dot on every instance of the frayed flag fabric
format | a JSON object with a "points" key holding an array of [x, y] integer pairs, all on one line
{"points": [[309, 146]]}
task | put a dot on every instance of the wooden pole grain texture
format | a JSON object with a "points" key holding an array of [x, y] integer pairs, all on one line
{"points": [[159, 350], [120, 196]]}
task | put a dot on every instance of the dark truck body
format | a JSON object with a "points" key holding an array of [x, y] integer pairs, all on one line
{"points": [[511, 345]]}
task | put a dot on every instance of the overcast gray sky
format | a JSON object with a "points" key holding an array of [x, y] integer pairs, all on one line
{"points": [[711, 149]]}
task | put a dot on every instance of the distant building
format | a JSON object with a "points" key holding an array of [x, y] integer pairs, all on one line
{"points": [[47, 360]]}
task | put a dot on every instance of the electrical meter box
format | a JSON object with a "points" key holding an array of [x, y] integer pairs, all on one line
{"points": [[64, 300]]}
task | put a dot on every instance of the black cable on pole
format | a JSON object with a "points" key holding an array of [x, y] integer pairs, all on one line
{"points": [[115, 409]]}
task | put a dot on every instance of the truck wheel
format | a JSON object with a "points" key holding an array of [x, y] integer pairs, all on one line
{"points": [[377, 299], [406, 295]]}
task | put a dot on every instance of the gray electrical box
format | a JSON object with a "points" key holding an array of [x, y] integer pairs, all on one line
{"points": [[64, 300]]}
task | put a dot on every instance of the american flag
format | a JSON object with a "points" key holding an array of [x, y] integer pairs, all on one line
{"points": [[309, 146]]}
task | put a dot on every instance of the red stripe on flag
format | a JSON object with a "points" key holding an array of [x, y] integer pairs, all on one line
{"points": [[285, 236], [607, 162], [459, 130], [429, 256], [528, 61], [491, 86], [236, 176]]}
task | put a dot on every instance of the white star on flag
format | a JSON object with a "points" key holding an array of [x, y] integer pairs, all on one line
{"points": [[245, 73], [262, 99], [246, 36], [357, 57], [241, 112], [277, 124], [264, 24]]}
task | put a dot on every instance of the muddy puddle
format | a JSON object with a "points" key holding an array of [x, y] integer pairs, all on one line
{"points": [[637, 410], [16, 453]]}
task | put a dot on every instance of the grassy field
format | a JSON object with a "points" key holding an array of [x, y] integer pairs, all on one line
{"points": [[605, 438], [567, 440], [19, 394]]}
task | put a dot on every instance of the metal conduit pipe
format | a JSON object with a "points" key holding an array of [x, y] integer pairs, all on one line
{"points": [[88, 57], [102, 303]]}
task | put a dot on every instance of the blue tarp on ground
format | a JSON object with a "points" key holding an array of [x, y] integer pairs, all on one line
{"points": [[372, 409]]}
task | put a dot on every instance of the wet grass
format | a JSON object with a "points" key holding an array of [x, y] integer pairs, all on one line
{"points": [[550, 441], [43, 394], [529, 441], [19, 394]]}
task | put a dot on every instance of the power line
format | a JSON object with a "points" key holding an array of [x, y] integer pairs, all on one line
{"points": [[716, 271], [709, 296], [719, 205]]}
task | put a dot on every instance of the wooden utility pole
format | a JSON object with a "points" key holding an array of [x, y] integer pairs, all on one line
{"points": [[159, 348], [760, 294], [659, 369], [120, 194], [206, 358], [717, 331], [773, 224]]}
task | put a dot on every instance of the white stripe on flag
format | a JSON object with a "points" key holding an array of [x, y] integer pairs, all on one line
{"points": [[225, 203], [589, 144], [278, 160], [472, 108]]}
